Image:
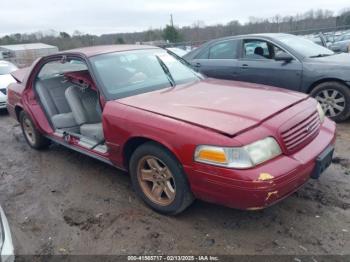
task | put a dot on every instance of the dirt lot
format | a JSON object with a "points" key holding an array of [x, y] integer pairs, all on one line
{"points": [[61, 202]]}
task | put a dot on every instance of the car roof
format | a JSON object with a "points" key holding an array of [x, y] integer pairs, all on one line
{"points": [[104, 49], [265, 35]]}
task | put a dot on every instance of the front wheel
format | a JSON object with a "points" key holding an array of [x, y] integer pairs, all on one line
{"points": [[334, 98], [33, 137], [158, 178]]}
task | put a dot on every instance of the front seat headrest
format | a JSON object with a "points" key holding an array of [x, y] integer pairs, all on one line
{"points": [[259, 51]]}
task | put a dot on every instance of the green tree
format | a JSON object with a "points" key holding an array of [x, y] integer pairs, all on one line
{"points": [[171, 34], [120, 40], [7, 40], [346, 18], [64, 35]]}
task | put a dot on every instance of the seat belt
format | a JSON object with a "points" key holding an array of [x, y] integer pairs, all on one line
{"points": [[98, 144]]}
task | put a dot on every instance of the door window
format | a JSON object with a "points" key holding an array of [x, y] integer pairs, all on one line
{"points": [[224, 50], [203, 55], [260, 49]]}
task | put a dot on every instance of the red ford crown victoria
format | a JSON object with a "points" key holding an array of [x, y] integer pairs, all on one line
{"points": [[179, 135]]}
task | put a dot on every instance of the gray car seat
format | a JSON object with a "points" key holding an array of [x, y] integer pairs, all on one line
{"points": [[86, 111], [52, 96]]}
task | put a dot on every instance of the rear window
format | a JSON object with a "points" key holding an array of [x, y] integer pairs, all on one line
{"points": [[56, 68], [224, 50]]}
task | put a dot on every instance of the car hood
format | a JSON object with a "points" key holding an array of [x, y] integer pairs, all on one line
{"points": [[342, 59], [5, 80], [228, 107]]}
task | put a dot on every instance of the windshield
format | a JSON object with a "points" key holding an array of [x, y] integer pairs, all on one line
{"points": [[305, 47], [130, 73], [7, 68]]}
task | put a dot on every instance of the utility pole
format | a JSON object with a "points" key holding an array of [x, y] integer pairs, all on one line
{"points": [[171, 20]]}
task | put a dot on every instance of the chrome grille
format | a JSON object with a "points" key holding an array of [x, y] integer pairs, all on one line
{"points": [[302, 133]]}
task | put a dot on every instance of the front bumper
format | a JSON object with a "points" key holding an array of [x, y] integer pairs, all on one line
{"points": [[7, 251], [247, 189]]}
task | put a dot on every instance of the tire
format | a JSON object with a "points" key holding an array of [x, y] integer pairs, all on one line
{"points": [[333, 96], [165, 188], [33, 137]]}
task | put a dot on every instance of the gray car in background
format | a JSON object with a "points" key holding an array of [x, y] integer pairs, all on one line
{"points": [[281, 60], [342, 44]]}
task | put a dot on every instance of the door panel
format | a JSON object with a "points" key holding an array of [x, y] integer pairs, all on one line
{"points": [[219, 60], [217, 68], [271, 72]]}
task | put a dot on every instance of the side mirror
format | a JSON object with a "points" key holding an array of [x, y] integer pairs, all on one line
{"points": [[282, 56]]}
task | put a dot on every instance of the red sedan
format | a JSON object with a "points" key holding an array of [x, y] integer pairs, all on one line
{"points": [[179, 135]]}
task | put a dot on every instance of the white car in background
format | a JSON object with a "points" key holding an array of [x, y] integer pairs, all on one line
{"points": [[6, 68], [6, 246]]}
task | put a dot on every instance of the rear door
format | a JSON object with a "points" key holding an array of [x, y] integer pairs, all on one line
{"points": [[219, 60], [257, 65]]}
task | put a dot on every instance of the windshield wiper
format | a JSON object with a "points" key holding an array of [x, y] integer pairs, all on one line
{"points": [[166, 71], [320, 55]]}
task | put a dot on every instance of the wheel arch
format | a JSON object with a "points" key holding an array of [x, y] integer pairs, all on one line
{"points": [[18, 110], [324, 80], [134, 142]]}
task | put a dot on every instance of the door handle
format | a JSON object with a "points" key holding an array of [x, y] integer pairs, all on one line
{"points": [[244, 66], [197, 65]]}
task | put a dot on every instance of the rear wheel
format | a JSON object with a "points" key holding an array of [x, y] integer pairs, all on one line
{"points": [[158, 178], [334, 98], [33, 137]]}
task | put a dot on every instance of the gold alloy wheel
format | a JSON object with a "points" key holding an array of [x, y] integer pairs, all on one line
{"points": [[29, 130], [156, 180]]}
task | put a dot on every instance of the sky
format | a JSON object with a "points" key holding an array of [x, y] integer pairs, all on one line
{"points": [[116, 16]]}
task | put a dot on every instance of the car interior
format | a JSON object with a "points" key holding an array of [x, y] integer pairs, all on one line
{"points": [[259, 49], [71, 101]]}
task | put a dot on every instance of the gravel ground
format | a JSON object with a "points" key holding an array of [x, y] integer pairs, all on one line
{"points": [[61, 202]]}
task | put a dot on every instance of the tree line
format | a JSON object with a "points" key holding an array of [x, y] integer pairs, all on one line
{"points": [[308, 22]]}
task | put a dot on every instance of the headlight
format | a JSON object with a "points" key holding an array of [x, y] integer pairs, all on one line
{"points": [[320, 112], [239, 157]]}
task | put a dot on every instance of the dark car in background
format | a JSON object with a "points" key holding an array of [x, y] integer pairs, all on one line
{"points": [[281, 60]]}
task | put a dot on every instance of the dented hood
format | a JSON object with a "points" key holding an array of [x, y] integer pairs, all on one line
{"points": [[227, 107]]}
